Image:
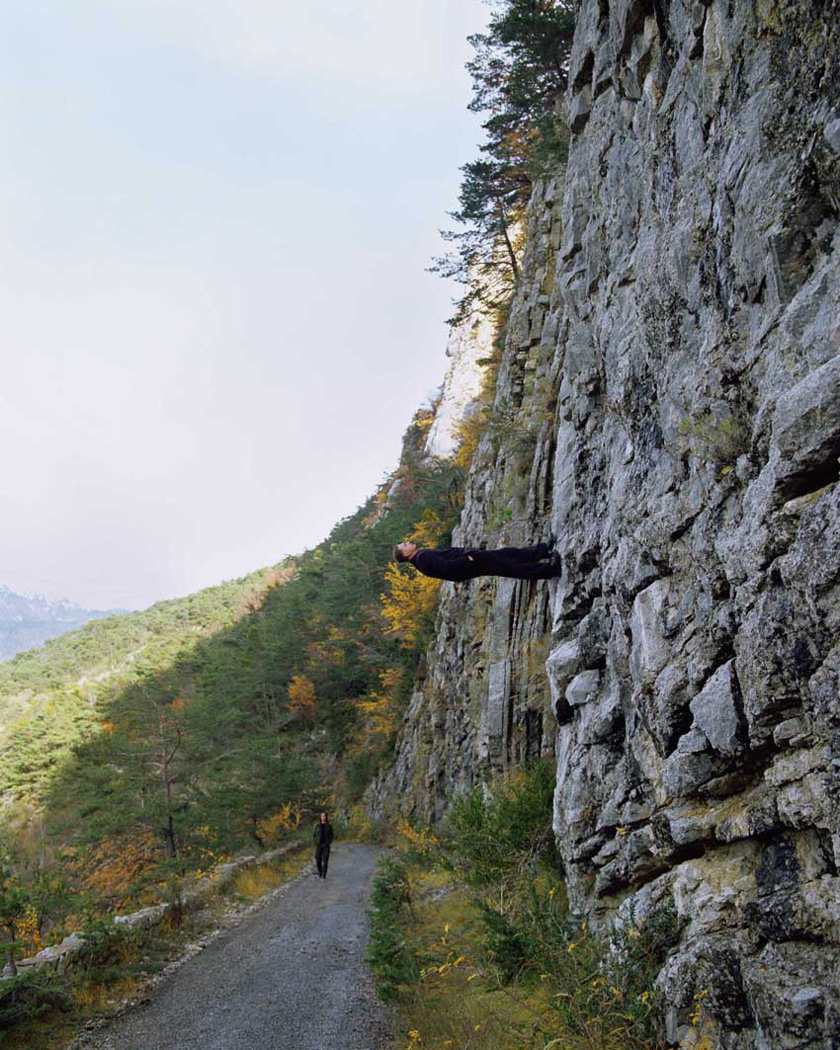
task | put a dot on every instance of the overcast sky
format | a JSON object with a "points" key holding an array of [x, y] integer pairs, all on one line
{"points": [[216, 320]]}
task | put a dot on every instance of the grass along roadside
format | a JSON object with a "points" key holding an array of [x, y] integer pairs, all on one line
{"points": [[120, 968], [477, 946], [457, 1000], [468, 994]]}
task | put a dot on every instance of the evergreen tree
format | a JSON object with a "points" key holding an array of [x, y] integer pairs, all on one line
{"points": [[519, 75], [14, 901]]}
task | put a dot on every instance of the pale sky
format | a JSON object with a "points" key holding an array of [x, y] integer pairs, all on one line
{"points": [[216, 321]]}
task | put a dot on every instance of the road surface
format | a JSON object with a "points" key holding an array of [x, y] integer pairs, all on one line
{"points": [[290, 977]]}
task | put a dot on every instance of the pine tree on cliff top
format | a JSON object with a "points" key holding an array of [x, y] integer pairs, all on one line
{"points": [[519, 75]]}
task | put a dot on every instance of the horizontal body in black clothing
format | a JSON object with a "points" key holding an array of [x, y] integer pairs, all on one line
{"points": [[466, 563]]}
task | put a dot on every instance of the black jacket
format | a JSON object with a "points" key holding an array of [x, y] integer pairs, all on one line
{"points": [[446, 563], [317, 834]]}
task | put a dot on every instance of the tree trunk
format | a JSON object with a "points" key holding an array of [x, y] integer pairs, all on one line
{"points": [[169, 838], [511, 253], [255, 831], [10, 951], [169, 830]]}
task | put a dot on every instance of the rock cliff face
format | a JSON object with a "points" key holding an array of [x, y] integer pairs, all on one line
{"points": [[469, 343], [669, 401]]}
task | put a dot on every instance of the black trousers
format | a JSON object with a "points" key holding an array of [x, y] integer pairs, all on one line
{"points": [[518, 563], [322, 859]]}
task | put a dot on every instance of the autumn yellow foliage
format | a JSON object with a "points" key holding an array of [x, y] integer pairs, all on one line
{"points": [[469, 433], [408, 603], [287, 818], [114, 866], [302, 699], [423, 840], [27, 931], [429, 529], [379, 708]]}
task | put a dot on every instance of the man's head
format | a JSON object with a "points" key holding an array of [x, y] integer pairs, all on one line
{"points": [[324, 819], [405, 551]]}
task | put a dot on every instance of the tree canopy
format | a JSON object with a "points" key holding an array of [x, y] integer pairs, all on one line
{"points": [[519, 75]]}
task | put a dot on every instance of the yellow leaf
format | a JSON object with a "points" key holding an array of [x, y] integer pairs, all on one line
{"points": [[408, 603], [302, 699]]}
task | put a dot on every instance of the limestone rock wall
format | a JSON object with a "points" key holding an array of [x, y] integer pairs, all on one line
{"points": [[469, 342], [483, 703], [670, 403]]}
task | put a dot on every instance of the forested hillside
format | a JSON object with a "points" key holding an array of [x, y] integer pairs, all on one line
{"points": [[154, 744], [51, 696], [149, 746]]}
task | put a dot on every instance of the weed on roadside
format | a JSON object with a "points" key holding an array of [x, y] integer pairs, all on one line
{"points": [[481, 949], [257, 880], [393, 961], [41, 1010]]}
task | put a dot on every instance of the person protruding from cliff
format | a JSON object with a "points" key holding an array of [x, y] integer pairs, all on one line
{"points": [[540, 562], [323, 835]]}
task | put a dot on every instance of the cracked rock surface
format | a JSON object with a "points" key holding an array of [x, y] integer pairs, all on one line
{"points": [[673, 359]]}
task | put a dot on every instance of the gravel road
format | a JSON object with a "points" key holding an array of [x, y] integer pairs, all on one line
{"points": [[290, 977]]}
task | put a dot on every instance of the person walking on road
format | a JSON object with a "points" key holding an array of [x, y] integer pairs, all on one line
{"points": [[466, 563], [323, 840]]}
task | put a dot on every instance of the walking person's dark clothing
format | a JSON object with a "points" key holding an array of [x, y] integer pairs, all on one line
{"points": [[466, 563], [323, 836]]}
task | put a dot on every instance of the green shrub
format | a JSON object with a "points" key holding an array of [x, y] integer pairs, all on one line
{"points": [[389, 955], [28, 996], [719, 440], [605, 981], [529, 935], [498, 837], [509, 936]]}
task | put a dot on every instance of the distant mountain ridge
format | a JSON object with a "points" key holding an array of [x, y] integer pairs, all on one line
{"points": [[29, 620]]}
